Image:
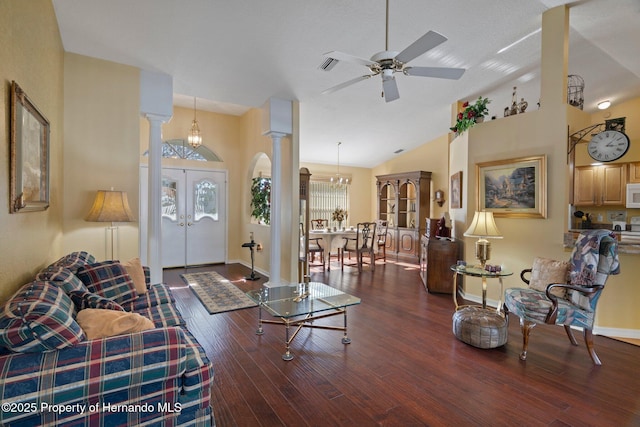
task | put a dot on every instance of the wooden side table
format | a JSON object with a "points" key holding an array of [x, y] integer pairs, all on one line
{"points": [[436, 255]]}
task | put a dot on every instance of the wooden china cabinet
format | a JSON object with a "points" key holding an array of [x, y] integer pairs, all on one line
{"points": [[303, 249], [403, 201]]}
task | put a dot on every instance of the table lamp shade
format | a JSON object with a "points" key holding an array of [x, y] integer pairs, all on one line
{"points": [[483, 226], [110, 206]]}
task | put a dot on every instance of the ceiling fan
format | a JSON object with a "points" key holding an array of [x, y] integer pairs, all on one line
{"points": [[387, 62]]}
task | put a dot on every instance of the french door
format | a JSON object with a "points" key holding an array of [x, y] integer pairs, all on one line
{"points": [[193, 216]]}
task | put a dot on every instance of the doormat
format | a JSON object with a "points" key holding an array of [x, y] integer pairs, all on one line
{"points": [[216, 293]]}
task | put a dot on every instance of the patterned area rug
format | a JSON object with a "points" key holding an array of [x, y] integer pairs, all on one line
{"points": [[216, 293]]}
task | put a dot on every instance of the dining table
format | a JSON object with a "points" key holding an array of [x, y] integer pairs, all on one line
{"points": [[332, 241]]}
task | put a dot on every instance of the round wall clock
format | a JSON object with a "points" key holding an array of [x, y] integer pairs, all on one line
{"points": [[608, 146]]}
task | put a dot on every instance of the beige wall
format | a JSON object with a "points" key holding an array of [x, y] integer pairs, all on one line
{"points": [[360, 189], [430, 157], [545, 132], [32, 55], [239, 142], [102, 136], [253, 144], [100, 151], [618, 306], [220, 134]]}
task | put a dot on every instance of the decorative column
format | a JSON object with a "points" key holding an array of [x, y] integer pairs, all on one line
{"points": [[277, 123], [275, 276], [156, 105], [154, 230]]}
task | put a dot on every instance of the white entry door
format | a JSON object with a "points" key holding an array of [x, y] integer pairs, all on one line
{"points": [[193, 217]]}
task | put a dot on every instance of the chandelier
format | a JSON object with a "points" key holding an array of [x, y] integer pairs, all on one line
{"points": [[194, 138], [338, 181]]}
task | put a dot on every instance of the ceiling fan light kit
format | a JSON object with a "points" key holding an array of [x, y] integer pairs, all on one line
{"points": [[388, 62]]}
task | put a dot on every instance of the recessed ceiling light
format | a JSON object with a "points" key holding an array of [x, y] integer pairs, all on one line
{"points": [[603, 105]]}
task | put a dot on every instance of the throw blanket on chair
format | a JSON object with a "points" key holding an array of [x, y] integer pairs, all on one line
{"points": [[586, 256]]}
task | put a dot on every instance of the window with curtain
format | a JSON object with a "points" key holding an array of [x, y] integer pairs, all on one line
{"points": [[324, 198]]}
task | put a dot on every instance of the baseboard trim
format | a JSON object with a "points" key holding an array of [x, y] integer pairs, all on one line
{"points": [[597, 330], [617, 332], [248, 265]]}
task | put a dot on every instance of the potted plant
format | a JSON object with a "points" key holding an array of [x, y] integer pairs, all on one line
{"points": [[472, 114], [261, 199], [339, 215]]}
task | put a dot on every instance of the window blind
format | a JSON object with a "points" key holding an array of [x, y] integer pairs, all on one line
{"points": [[324, 198]]}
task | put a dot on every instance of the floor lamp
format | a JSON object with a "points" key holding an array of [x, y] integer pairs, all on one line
{"points": [[110, 206]]}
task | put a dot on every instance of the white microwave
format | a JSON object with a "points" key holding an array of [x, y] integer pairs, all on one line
{"points": [[633, 195]]}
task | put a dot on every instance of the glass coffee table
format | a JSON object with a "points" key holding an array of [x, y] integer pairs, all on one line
{"points": [[297, 306]]}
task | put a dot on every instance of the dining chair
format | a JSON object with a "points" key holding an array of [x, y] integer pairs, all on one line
{"points": [[319, 224], [314, 247], [566, 292], [381, 239], [362, 244]]}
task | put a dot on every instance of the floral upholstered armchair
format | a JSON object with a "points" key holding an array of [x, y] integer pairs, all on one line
{"points": [[566, 293]]}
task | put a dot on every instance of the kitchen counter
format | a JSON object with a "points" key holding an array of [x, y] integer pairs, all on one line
{"points": [[626, 246]]}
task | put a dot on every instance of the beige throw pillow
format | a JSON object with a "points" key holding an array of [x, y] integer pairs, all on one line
{"points": [[545, 271], [134, 269], [101, 323]]}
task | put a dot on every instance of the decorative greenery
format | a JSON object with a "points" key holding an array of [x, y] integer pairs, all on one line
{"points": [[339, 214], [467, 118], [261, 199]]}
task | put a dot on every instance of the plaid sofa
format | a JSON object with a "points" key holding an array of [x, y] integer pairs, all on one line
{"points": [[51, 374]]}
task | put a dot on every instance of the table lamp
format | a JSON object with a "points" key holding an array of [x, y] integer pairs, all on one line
{"points": [[110, 206], [483, 226]]}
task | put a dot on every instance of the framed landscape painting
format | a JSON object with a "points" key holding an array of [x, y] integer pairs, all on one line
{"points": [[513, 187]]}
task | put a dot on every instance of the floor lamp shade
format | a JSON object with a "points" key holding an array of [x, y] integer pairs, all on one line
{"points": [[110, 206], [483, 226]]}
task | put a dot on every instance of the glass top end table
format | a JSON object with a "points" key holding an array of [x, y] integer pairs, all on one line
{"points": [[482, 273], [298, 305]]}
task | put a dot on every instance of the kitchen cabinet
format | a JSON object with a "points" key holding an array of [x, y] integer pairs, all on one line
{"points": [[436, 258], [600, 185], [634, 172], [404, 202]]}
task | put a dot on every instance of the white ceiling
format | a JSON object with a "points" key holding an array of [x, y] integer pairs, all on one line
{"points": [[234, 55]]}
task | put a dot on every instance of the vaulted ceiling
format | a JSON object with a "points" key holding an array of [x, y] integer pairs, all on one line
{"points": [[234, 55]]}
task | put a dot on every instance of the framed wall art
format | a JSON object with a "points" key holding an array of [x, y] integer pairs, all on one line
{"points": [[456, 190], [29, 152], [513, 188]]}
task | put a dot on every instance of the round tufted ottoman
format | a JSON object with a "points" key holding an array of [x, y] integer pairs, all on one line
{"points": [[480, 327]]}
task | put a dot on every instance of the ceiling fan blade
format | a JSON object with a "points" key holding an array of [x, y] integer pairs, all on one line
{"points": [[341, 56], [390, 89], [437, 72], [347, 83], [420, 46]]}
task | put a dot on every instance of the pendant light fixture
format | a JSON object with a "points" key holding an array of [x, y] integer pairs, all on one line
{"points": [[194, 138], [338, 180]]}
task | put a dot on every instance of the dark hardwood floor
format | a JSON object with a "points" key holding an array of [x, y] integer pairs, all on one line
{"points": [[404, 366]]}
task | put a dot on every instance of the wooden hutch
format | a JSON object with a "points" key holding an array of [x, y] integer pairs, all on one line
{"points": [[404, 202]]}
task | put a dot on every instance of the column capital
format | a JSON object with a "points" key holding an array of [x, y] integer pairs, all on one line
{"points": [[275, 135], [156, 117]]}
